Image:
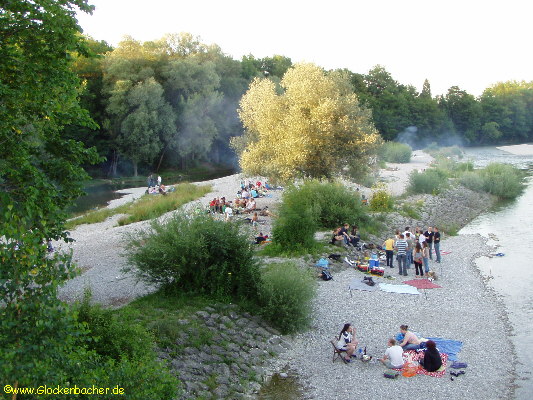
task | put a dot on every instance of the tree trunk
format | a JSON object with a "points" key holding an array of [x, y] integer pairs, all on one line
{"points": [[161, 158], [135, 169], [113, 167]]}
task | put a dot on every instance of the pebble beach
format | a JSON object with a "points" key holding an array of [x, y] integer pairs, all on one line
{"points": [[464, 309]]}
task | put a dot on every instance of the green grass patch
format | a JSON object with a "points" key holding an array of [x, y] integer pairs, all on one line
{"points": [[395, 152], [145, 208]]}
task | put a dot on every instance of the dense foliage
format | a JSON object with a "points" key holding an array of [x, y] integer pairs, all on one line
{"points": [[313, 205], [197, 253], [285, 296], [311, 126], [173, 102], [42, 340], [40, 174]]}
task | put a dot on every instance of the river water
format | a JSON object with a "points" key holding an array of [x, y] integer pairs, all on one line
{"points": [[509, 226]]}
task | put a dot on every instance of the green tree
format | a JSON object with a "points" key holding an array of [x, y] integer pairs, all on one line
{"points": [[150, 122], [464, 111], [40, 175]]}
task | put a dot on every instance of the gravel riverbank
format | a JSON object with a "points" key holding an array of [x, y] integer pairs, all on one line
{"points": [[463, 309]]}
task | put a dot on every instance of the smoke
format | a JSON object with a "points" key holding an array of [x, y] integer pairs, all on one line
{"points": [[420, 140], [409, 136]]}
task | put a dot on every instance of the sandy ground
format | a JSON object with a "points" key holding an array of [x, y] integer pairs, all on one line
{"points": [[518, 149], [397, 175]]}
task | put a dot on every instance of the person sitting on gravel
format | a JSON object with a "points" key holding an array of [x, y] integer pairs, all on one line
{"points": [[393, 355], [337, 236], [261, 238], [410, 340], [347, 341], [250, 206], [431, 360]]}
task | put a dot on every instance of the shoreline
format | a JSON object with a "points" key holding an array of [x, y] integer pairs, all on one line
{"points": [[450, 312], [98, 251]]}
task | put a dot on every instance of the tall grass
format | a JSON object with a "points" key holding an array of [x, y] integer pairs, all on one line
{"points": [[431, 181], [395, 152], [285, 296], [502, 180], [147, 207]]}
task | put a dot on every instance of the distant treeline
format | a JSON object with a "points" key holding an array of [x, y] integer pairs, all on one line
{"points": [[172, 103]]}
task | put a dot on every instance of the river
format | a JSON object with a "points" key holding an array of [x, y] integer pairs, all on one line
{"points": [[509, 226]]}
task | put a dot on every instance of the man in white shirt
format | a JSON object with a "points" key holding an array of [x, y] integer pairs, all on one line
{"points": [[393, 358]]}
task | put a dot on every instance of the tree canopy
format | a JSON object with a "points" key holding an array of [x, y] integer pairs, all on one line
{"points": [[311, 126]]}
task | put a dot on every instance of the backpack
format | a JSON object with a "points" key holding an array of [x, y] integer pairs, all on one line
{"points": [[326, 275]]}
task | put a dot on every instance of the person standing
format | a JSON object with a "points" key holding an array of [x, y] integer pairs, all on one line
{"points": [[150, 181], [425, 256], [436, 243], [389, 251], [393, 357], [401, 248], [158, 180], [429, 240], [410, 248], [418, 258]]}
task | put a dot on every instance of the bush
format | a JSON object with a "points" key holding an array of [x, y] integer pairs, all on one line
{"points": [[395, 152], [473, 181], [285, 295], [112, 338], [311, 206], [430, 181], [199, 254], [381, 199], [502, 180]]}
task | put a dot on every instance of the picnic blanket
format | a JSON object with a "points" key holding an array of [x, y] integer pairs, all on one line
{"points": [[389, 287], [357, 284], [413, 355], [448, 346]]}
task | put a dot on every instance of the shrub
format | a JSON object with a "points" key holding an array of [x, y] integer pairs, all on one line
{"points": [[306, 208], [197, 253], [502, 180], [112, 338], [395, 152], [285, 295], [381, 199], [473, 181], [430, 181]]}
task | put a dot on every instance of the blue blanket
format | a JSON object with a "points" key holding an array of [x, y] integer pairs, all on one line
{"points": [[448, 346]]}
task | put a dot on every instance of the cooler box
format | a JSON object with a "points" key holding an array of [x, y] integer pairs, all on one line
{"points": [[373, 263]]}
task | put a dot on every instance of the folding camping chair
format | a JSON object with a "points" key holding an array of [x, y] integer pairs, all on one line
{"points": [[337, 352]]}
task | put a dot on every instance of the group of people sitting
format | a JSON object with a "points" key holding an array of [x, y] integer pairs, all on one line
{"points": [[228, 208], [344, 234], [161, 189], [393, 357]]}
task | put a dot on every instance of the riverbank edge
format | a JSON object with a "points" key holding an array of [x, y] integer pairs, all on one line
{"points": [[500, 306]]}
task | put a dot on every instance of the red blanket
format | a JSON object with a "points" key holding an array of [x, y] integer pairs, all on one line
{"points": [[412, 355]]}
